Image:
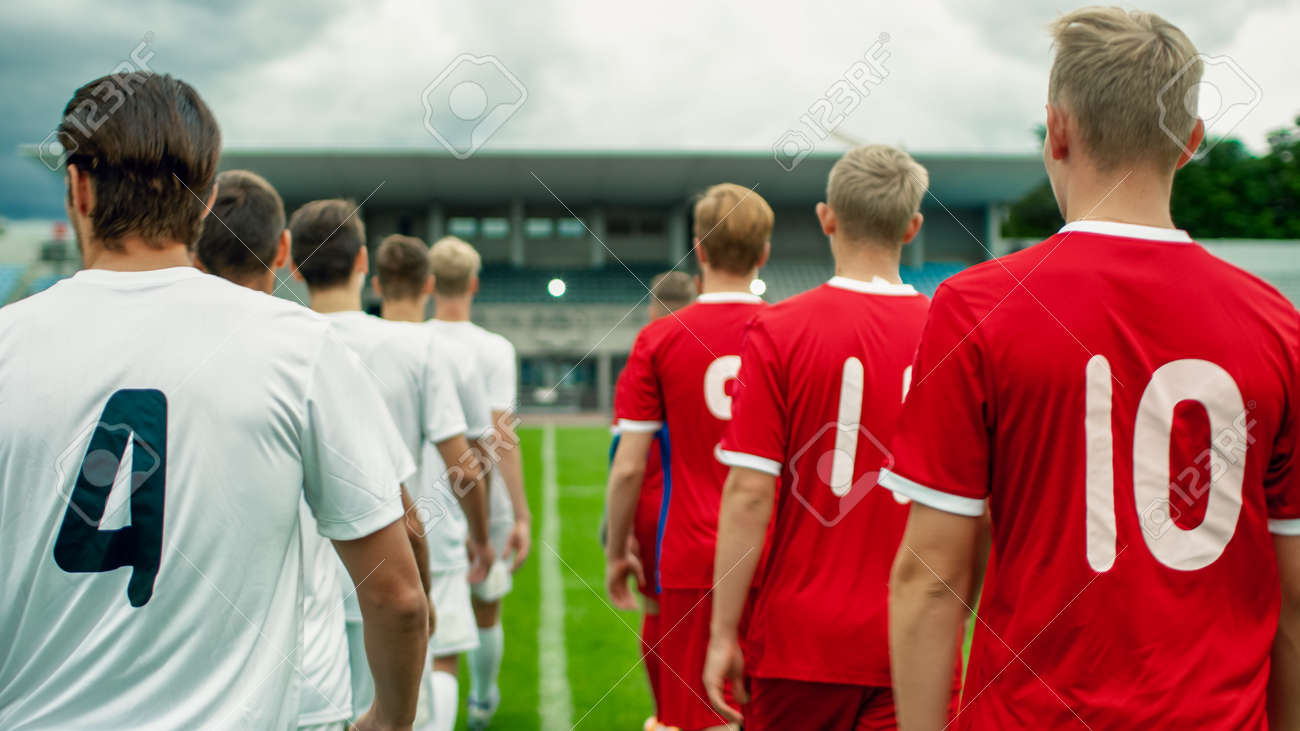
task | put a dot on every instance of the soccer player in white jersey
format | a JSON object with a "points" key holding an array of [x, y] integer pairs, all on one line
{"points": [[329, 254], [160, 590], [455, 267], [404, 283], [244, 240]]}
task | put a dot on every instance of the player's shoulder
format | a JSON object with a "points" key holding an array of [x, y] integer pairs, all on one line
{"points": [[1267, 299]]}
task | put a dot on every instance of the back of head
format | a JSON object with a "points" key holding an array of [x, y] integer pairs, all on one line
{"points": [[327, 235], [454, 264], [1129, 79], [242, 232], [152, 158], [671, 291], [733, 225], [874, 191], [402, 267]]}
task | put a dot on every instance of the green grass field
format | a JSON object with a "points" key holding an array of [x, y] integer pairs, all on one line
{"points": [[607, 686]]}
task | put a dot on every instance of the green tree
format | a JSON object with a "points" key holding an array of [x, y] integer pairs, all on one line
{"points": [[1227, 193]]}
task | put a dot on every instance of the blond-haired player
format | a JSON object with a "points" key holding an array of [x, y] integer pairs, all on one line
{"points": [[820, 387], [1125, 405], [681, 374], [455, 267]]}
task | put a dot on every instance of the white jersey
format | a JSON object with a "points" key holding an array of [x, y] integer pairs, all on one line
{"points": [[493, 361], [160, 431], [447, 547]]}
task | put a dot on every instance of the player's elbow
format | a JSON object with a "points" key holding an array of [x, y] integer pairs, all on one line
{"points": [[626, 475], [914, 580], [398, 602], [748, 489]]}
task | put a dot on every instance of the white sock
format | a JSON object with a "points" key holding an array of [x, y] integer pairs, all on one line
{"points": [[485, 664], [446, 696]]}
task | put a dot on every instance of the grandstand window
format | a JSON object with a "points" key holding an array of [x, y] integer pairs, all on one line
{"points": [[495, 228], [463, 227], [539, 228], [653, 225], [619, 226], [570, 228]]}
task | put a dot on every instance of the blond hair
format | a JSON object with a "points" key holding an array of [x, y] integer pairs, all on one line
{"points": [[733, 225], [1129, 80], [453, 263], [875, 190]]}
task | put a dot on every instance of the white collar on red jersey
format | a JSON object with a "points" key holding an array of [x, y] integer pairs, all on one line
{"points": [[1128, 231], [877, 285], [710, 298]]}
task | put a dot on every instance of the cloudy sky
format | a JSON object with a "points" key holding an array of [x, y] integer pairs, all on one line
{"points": [[958, 75]]}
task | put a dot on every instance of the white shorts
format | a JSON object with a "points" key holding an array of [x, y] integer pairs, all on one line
{"points": [[500, 581], [457, 630]]}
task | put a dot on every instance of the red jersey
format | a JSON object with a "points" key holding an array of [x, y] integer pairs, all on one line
{"points": [[1127, 404], [681, 374], [835, 355]]}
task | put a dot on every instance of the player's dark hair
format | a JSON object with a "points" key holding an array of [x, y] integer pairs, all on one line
{"points": [[241, 234], [327, 234], [672, 290], [402, 267], [150, 147]]}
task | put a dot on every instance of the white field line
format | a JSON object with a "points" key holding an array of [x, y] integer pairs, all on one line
{"points": [[555, 698]]}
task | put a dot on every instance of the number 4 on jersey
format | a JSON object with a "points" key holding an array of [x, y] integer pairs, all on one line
{"points": [[138, 418]]}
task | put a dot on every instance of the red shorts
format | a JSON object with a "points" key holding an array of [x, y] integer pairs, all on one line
{"points": [[777, 703], [684, 642]]}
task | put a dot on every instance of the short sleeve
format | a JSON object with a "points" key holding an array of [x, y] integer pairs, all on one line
{"points": [[354, 459], [756, 435], [442, 415], [638, 400], [940, 451], [501, 375], [472, 394], [1282, 478]]}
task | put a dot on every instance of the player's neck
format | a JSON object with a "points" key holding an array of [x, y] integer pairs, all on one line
{"points": [[451, 309], [1129, 195], [335, 299], [135, 255], [406, 310], [714, 280], [866, 260]]}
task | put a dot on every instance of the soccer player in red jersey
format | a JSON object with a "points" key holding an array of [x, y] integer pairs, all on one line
{"points": [[680, 374], [1126, 403], [669, 292], [823, 380]]}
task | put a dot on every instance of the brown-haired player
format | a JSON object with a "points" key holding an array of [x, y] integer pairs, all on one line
{"points": [[680, 375], [1124, 405], [244, 238], [178, 606], [425, 399]]}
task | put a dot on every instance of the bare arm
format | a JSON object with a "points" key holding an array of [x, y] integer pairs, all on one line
{"points": [[625, 477], [746, 508], [415, 532], [511, 463], [394, 613], [1284, 678], [929, 594], [465, 474]]}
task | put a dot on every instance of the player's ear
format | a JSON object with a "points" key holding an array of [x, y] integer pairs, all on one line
{"points": [[379, 289], [81, 194], [473, 284], [1057, 141], [428, 285], [1193, 142], [212, 198], [699, 252], [282, 250], [762, 258], [826, 215], [913, 227], [361, 264]]}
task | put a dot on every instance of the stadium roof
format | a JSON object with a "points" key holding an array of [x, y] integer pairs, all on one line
{"points": [[417, 176]]}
